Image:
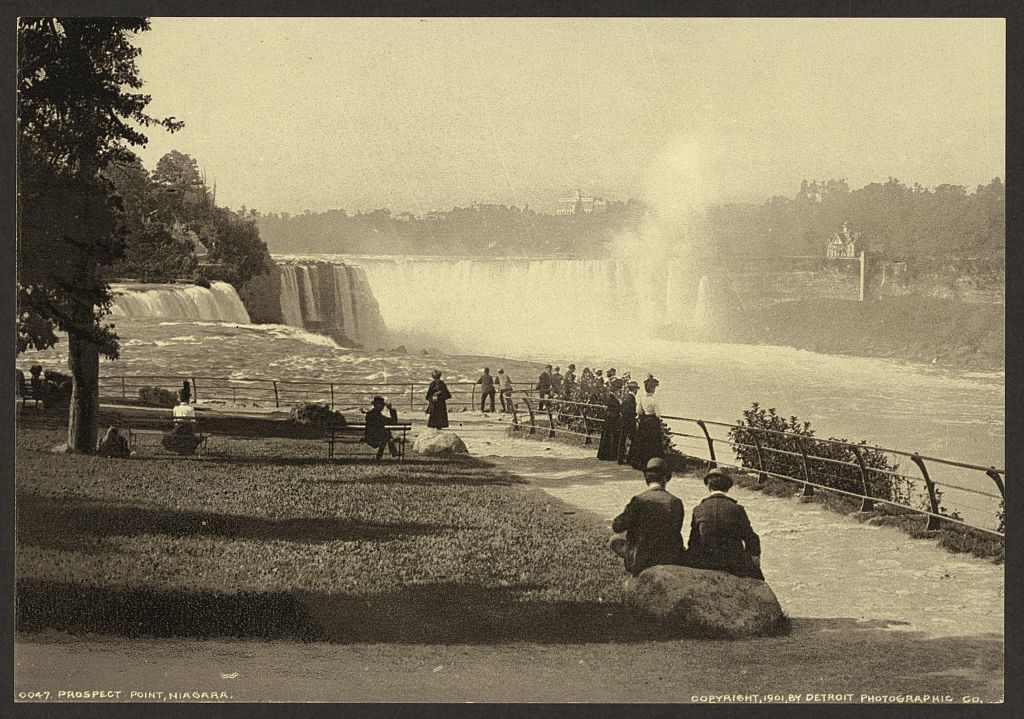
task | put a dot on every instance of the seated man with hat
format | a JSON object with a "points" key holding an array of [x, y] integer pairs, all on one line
{"points": [[720, 534], [653, 523], [376, 434]]}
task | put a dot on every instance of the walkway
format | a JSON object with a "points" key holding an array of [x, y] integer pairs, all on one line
{"points": [[820, 563]]}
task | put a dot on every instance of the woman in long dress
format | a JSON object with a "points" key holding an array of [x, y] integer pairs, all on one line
{"points": [[648, 441], [437, 402], [608, 449]]}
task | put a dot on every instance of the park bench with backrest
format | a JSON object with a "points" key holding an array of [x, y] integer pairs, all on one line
{"points": [[336, 432]]}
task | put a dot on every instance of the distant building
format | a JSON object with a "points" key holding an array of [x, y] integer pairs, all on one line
{"points": [[436, 216], [581, 205], [842, 244], [405, 217]]}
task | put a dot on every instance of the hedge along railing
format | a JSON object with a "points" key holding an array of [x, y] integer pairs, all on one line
{"points": [[285, 393], [811, 464]]}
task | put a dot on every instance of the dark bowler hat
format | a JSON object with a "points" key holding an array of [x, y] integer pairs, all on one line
{"points": [[656, 465], [721, 480]]}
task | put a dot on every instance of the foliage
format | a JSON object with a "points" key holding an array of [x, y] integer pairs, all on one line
{"points": [[781, 440], [158, 397], [155, 253], [237, 248], [509, 230], [76, 100], [312, 414], [896, 220]]}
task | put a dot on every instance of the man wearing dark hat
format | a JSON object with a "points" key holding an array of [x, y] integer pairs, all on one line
{"points": [[720, 534], [653, 523], [376, 434]]}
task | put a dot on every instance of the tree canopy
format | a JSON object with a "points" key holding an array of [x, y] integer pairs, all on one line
{"points": [[77, 103]]}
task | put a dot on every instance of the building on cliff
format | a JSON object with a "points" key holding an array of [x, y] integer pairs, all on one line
{"points": [[842, 244]]}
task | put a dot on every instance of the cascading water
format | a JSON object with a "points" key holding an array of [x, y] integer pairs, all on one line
{"points": [[700, 310], [334, 299], [179, 302], [516, 305]]}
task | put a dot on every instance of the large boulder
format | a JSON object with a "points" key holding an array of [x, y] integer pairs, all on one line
{"points": [[439, 441], [702, 602]]}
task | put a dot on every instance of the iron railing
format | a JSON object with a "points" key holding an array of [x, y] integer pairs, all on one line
{"points": [[556, 416], [559, 415]]}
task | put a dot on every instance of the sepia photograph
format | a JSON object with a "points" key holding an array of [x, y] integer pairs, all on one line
{"points": [[585, 360]]}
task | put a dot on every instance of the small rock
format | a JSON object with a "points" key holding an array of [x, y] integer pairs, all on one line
{"points": [[439, 442]]}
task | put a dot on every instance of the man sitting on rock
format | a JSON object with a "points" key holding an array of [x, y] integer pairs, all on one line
{"points": [[376, 434], [720, 534], [653, 523]]}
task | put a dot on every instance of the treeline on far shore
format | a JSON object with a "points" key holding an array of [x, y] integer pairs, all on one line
{"points": [[892, 219]]}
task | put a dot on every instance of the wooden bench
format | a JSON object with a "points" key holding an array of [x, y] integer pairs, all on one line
{"points": [[360, 427], [157, 426]]}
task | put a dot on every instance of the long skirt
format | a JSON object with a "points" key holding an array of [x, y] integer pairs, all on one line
{"points": [[438, 414], [647, 442], [608, 449]]}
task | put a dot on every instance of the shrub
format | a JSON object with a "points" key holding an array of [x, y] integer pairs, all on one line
{"points": [[781, 454], [158, 397], [312, 414]]}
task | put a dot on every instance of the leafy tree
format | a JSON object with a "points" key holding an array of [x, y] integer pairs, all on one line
{"points": [[183, 195], [77, 93]]}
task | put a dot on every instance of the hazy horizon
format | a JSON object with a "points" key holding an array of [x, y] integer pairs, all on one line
{"points": [[420, 114]]}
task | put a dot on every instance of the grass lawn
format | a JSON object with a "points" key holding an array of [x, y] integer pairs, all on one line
{"points": [[278, 561]]}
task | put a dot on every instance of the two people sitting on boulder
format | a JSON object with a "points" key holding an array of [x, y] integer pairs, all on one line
{"points": [[721, 536], [652, 523], [376, 433]]}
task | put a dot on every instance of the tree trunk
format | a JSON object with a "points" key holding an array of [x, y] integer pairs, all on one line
{"points": [[84, 363]]}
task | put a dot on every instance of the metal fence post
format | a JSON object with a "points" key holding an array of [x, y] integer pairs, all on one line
{"points": [[761, 476], [866, 504], [533, 421], [332, 395], [711, 445], [124, 390], [412, 400], [472, 397], [586, 426], [551, 421], [195, 391], [998, 480], [933, 521], [277, 400], [808, 489]]}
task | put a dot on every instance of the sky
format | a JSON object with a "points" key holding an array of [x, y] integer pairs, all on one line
{"points": [[418, 114]]}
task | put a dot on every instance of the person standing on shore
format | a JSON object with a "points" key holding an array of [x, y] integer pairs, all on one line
{"points": [[648, 441], [437, 402], [569, 382], [486, 383], [544, 387], [608, 449], [627, 425], [556, 382], [505, 390]]}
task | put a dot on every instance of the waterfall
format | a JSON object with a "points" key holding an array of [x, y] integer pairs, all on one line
{"points": [[515, 306], [701, 309], [179, 302], [291, 310], [331, 298]]}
